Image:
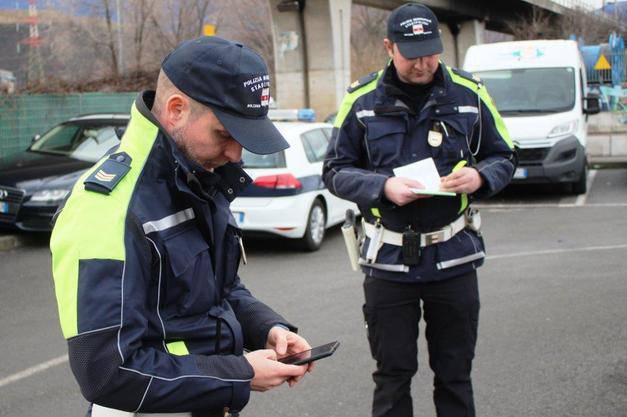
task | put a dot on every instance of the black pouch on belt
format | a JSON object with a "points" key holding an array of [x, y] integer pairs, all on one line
{"points": [[411, 248]]}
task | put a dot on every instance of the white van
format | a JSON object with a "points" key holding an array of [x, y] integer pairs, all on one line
{"points": [[539, 87]]}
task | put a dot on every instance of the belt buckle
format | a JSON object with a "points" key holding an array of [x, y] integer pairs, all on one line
{"points": [[434, 237]]}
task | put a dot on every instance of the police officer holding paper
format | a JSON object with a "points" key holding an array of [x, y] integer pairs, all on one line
{"points": [[419, 245]]}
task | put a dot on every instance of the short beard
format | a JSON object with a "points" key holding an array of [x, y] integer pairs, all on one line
{"points": [[179, 135], [180, 138]]}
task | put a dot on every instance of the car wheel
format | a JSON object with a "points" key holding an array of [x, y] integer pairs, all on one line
{"points": [[581, 185], [316, 224]]}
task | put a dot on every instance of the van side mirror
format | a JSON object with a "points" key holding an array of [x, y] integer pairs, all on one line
{"points": [[36, 138], [591, 104]]}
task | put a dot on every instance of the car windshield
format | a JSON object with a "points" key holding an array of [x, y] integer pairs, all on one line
{"points": [[274, 160], [77, 141], [531, 90]]}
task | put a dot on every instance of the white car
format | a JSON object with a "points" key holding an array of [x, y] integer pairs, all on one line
{"points": [[288, 197]]}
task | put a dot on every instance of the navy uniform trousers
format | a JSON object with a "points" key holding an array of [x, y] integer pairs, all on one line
{"points": [[451, 312]]}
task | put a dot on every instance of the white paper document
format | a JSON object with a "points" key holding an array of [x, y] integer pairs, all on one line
{"points": [[425, 172]]}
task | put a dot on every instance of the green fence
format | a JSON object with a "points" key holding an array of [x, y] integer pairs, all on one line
{"points": [[23, 116]]}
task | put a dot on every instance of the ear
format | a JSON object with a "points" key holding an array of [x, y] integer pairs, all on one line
{"points": [[389, 47], [176, 112]]}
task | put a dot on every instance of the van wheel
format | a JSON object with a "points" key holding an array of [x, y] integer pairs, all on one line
{"points": [[316, 224], [581, 185]]}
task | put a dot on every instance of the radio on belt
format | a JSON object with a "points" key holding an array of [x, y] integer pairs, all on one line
{"points": [[411, 248]]}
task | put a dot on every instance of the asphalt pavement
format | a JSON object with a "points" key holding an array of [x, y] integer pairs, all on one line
{"points": [[552, 330]]}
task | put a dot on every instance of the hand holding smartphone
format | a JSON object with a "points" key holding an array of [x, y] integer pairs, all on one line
{"points": [[308, 356]]}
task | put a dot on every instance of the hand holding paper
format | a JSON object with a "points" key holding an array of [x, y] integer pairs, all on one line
{"points": [[465, 180], [425, 172], [399, 190]]}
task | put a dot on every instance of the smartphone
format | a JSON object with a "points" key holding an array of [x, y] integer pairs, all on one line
{"points": [[319, 352]]}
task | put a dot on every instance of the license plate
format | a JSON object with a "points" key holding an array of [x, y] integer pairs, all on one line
{"points": [[239, 217], [4, 207], [521, 173]]}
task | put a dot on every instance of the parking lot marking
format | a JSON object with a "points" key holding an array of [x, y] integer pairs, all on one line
{"points": [[555, 251], [33, 370], [581, 199]]}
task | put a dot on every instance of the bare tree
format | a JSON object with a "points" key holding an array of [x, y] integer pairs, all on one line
{"points": [[95, 29], [249, 23], [201, 7], [178, 20], [170, 21], [594, 28], [69, 59], [111, 39], [81, 47], [141, 12], [540, 24], [368, 28]]}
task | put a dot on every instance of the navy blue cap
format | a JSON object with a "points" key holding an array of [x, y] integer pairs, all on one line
{"points": [[233, 81], [414, 28]]}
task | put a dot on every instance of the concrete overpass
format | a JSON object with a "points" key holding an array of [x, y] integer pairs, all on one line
{"points": [[312, 41]]}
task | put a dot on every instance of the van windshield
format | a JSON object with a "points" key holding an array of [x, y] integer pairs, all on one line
{"points": [[531, 90]]}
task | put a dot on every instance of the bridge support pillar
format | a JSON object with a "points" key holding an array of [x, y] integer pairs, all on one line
{"points": [[448, 33], [312, 60], [458, 37], [471, 32]]}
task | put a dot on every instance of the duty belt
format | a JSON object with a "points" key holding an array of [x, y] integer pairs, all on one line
{"points": [[379, 235], [101, 411]]}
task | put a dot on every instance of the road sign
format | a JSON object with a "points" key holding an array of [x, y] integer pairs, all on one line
{"points": [[602, 64], [209, 30]]}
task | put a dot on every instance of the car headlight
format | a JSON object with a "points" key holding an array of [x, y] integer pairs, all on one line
{"points": [[564, 129], [49, 195]]}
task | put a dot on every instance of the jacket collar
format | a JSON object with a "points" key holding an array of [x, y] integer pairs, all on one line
{"points": [[230, 179], [390, 91]]}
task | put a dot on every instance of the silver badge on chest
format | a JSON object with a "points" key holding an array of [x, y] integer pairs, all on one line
{"points": [[434, 138]]}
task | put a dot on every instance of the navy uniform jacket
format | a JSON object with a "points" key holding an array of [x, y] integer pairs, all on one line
{"points": [[145, 259], [380, 127]]}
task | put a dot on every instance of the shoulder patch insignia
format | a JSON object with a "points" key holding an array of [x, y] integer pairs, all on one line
{"points": [[110, 172], [362, 81], [467, 75]]}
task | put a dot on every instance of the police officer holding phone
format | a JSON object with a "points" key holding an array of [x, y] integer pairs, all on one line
{"points": [[145, 251], [419, 248]]}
